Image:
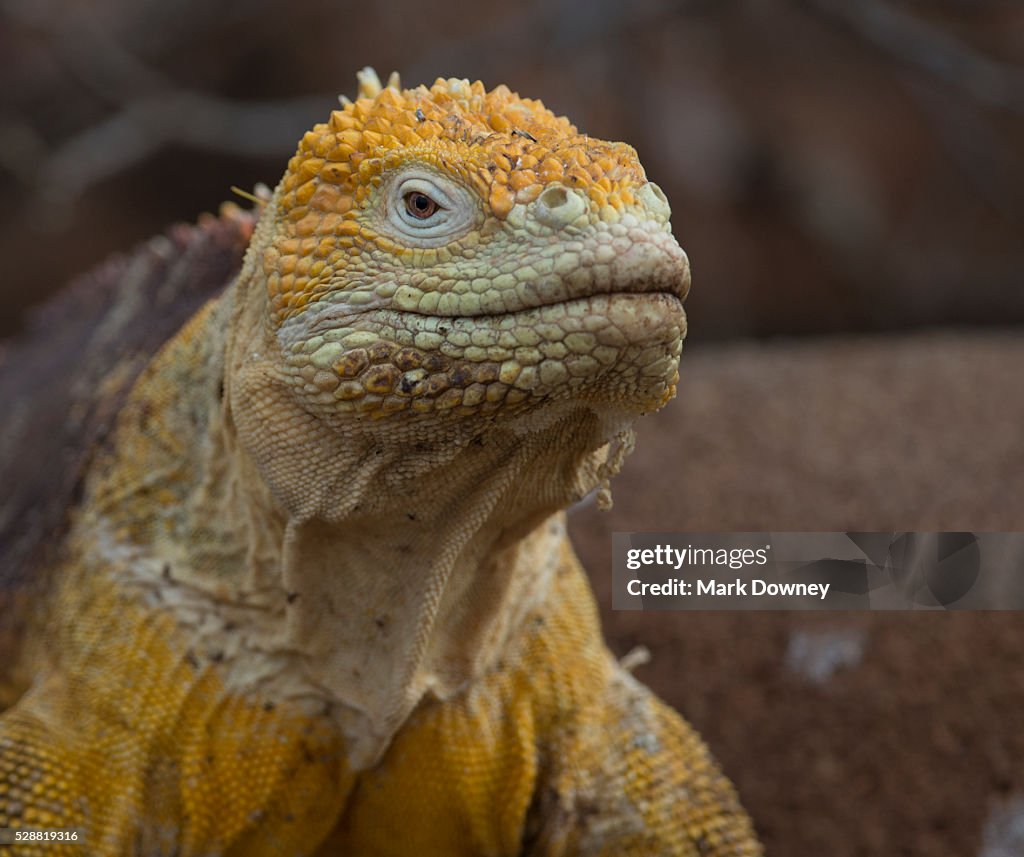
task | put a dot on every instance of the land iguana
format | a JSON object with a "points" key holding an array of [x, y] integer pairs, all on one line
{"points": [[315, 594]]}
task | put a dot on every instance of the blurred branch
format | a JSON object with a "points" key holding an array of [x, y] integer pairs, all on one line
{"points": [[145, 125], [911, 40], [151, 112]]}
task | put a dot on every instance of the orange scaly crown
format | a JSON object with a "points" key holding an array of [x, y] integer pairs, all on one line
{"points": [[505, 148]]}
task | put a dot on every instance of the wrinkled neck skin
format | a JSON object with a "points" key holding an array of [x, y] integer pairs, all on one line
{"points": [[360, 566]]}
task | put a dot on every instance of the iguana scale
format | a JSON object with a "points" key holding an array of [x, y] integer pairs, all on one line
{"points": [[316, 595]]}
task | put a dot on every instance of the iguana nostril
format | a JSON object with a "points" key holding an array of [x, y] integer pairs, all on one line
{"points": [[653, 197], [558, 206], [554, 197]]}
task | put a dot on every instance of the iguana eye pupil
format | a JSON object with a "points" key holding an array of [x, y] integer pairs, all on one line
{"points": [[420, 205]]}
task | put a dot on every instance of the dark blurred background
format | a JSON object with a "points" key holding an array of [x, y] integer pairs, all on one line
{"points": [[832, 166], [835, 167]]}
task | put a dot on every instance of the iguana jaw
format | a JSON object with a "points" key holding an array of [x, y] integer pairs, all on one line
{"points": [[423, 372]]}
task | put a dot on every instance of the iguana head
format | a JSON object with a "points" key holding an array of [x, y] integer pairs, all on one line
{"points": [[443, 257], [452, 311], [456, 250]]}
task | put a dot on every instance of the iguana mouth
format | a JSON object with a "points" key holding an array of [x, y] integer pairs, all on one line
{"points": [[331, 316], [581, 299], [652, 264]]}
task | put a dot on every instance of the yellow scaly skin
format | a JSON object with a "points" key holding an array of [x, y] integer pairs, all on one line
{"points": [[318, 598]]}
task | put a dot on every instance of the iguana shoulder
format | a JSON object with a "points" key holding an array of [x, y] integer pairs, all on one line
{"points": [[66, 377]]}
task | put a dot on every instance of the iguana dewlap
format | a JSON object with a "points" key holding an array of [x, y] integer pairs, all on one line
{"points": [[317, 597]]}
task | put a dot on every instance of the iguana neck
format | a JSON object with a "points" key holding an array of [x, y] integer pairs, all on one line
{"points": [[375, 568]]}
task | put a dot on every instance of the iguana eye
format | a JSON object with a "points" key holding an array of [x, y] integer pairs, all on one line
{"points": [[424, 208], [420, 206]]}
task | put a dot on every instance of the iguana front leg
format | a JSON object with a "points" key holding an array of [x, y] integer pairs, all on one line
{"points": [[630, 778], [134, 741]]}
